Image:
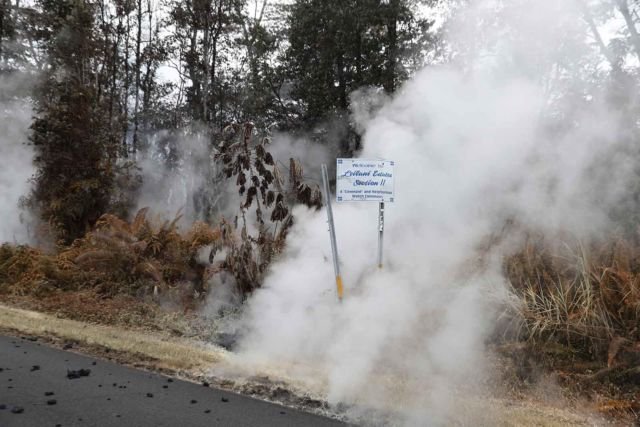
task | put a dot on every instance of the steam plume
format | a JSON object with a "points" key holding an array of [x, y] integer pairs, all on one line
{"points": [[16, 162]]}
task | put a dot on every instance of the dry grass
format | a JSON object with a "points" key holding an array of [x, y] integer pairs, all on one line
{"points": [[117, 257], [510, 413], [166, 352], [577, 294]]}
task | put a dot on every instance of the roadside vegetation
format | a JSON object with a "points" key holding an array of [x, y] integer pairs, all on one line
{"points": [[152, 259], [582, 295], [572, 312]]}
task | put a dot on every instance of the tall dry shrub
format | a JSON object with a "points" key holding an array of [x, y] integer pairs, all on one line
{"points": [[578, 294], [267, 199]]}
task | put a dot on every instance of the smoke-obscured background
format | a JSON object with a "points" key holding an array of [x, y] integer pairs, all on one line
{"points": [[16, 166]]}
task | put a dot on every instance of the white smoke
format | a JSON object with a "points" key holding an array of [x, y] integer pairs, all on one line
{"points": [[475, 145], [16, 164], [180, 174], [303, 150]]}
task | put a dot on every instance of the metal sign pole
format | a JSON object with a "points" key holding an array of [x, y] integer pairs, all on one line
{"points": [[332, 231], [380, 232]]}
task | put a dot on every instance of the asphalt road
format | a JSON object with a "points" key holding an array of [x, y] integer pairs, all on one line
{"points": [[33, 377]]}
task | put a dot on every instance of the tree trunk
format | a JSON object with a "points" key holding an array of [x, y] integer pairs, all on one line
{"points": [[148, 76], [392, 48], [125, 122], [596, 35], [623, 6], [342, 84], [134, 145], [206, 47], [214, 55], [192, 68], [5, 11], [114, 67]]}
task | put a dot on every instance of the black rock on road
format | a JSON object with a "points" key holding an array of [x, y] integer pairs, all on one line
{"points": [[69, 389]]}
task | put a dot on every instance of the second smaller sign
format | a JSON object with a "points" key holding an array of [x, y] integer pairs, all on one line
{"points": [[364, 180]]}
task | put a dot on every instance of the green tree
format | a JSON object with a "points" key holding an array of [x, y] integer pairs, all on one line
{"points": [[337, 46], [75, 146], [7, 30]]}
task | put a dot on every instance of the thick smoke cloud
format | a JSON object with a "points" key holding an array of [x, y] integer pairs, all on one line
{"points": [[476, 143]]}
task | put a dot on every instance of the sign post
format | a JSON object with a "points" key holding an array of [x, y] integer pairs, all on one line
{"points": [[332, 231], [365, 180], [380, 232]]}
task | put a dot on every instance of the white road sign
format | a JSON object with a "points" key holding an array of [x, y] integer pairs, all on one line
{"points": [[364, 180]]}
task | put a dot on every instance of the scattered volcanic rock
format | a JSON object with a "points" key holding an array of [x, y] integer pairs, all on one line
{"points": [[67, 346], [281, 394], [72, 375], [207, 411], [149, 394], [193, 401], [205, 384], [17, 410], [35, 368], [224, 399], [48, 393], [226, 340], [51, 402]]}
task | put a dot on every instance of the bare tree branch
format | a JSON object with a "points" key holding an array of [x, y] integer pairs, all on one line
{"points": [[623, 6], [596, 35]]}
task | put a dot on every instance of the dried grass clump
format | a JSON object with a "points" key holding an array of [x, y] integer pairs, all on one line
{"points": [[19, 268], [143, 254], [581, 295], [115, 257]]}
